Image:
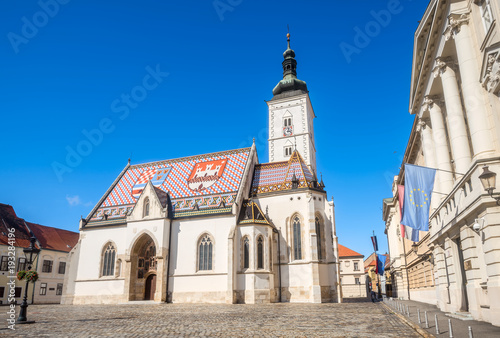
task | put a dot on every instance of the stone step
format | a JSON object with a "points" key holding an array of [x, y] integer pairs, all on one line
{"points": [[460, 315]]}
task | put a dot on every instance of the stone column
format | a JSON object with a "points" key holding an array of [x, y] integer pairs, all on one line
{"points": [[444, 177], [475, 105], [429, 155], [456, 122]]}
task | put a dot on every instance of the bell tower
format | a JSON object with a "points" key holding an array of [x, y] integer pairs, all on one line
{"points": [[291, 116]]}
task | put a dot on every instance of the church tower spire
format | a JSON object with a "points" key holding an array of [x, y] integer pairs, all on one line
{"points": [[290, 81], [291, 116]]}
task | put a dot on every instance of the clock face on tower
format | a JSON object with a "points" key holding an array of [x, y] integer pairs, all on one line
{"points": [[288, 131]]}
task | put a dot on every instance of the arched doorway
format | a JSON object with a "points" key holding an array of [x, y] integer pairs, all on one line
{"points": [[150, 288], [144, 278]]}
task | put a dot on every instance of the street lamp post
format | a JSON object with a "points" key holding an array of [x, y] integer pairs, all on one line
{"points": [[31, 253]]}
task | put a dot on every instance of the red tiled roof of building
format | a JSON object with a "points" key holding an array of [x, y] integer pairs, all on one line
{"points": [[54, 239], [346, 252], [8, 209], [48, 237]]}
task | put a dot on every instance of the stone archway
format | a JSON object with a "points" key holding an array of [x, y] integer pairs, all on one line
{"points": [[144, 270]]}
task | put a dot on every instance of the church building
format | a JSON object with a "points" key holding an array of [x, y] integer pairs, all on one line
{"points": [[219, 227]]}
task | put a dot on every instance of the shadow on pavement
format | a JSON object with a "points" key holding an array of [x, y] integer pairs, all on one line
{"points": [[356, 300]]}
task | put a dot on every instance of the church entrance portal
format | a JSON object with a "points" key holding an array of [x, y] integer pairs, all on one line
{"points": [[143, 272], [149, 293]]}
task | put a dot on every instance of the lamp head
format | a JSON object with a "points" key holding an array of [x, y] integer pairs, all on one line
{"points": [[414, 247], [488, 179]]}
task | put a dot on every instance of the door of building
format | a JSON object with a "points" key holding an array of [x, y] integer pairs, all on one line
{"points": [[149, 293]]}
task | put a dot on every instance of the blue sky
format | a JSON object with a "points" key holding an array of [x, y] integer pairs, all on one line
{"points": [[74, 73]]}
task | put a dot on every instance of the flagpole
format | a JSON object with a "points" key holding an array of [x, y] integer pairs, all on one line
{"points": [[406, 268], [447, 171], [376, 265]]}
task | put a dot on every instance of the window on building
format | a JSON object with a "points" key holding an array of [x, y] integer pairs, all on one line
{"points": [[108, 262], [17, 291], [486, 14], [260, 253], [146, 207], [246, 253], [59, 289], [356, 266], [21, 264], [2, 291], [356, 281], [288, 150], [4, 264], [47, 266], [287, 121], [62, 268], [43, 289], [297, 241], [318, 238], [205, 249], [118, 268]]}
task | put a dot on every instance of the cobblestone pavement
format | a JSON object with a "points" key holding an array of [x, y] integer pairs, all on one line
{"points": [[270, 320]]}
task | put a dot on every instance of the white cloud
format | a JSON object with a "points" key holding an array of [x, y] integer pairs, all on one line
{"points": [[73, 200]]}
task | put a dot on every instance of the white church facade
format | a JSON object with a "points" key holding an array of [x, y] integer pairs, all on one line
{"points": [[216, 228]]}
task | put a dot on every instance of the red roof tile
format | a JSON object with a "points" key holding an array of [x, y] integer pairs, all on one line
{"points": [[53, 238], [48, 237], [346, 252], [8, 209]]}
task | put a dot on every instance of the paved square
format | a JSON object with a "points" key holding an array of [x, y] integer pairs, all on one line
{"points": [[270, 320]]}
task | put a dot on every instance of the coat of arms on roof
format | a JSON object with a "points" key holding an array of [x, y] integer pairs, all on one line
{"points": [[205, 174], [156, 175]]}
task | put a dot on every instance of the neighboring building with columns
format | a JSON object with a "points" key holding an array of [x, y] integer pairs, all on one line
{"points": [[217, 228], [455, 89]]}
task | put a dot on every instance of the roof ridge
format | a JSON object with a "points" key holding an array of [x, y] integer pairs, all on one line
{"points": [[139, 165], [349, 252], [47, 226]]}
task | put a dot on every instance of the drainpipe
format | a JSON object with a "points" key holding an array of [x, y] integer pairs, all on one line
{"points": [[279, 261], [170, 217]]}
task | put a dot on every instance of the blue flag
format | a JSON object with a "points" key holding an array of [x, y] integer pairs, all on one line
{"points": [[381, 264], [419, 182], [374, 242]]}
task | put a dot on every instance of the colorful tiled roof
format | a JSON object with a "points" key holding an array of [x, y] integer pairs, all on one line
{"points": [[196, 185], [278, 176], [49, 238], [346, 252]]}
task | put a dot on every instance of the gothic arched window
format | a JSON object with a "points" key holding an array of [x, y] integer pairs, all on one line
{"points": [[260, 253], [319, 238], [108, 262], [205, 249], [146, 207], [297, 242], [246, 253]]}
